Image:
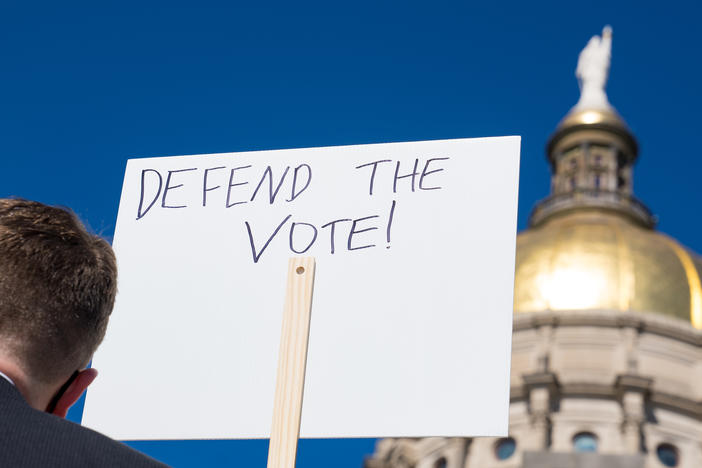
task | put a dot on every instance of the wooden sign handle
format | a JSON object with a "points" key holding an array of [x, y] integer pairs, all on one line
{"points": [[292, 360]]}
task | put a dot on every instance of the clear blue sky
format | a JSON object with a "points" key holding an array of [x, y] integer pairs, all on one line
{"points": [[86, 85]]}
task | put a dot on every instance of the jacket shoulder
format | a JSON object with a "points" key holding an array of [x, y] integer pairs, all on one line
{"points": [[29, 437]]}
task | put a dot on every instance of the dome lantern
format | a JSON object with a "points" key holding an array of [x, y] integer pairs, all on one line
{"points": [[592, 151]]}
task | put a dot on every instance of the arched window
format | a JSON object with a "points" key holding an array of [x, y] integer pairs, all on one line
{"points": [[585, 442], [668, 454], [505, 448], [441, 463]]}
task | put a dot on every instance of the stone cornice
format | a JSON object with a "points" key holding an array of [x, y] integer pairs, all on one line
{"points": [[644, 322]]}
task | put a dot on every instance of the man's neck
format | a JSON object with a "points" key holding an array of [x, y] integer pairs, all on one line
{"points": [[36, 394]]}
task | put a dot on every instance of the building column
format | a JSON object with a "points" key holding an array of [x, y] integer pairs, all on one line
{"points": [[632, 391], [542, 394]]}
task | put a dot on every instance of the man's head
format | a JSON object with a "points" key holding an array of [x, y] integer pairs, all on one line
{"points": [[57, 289]]}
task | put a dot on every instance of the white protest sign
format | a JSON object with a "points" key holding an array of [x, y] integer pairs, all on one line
{"points": [[412, 311]]}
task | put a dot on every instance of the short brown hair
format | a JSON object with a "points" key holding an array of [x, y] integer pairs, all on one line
{"points": [[57, 288]]}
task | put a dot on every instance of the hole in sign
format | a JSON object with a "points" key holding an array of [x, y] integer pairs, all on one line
{"points": [[300, 270]]}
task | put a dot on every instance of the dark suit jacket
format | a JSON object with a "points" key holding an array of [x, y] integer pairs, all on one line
{"points": [[32, 438]]}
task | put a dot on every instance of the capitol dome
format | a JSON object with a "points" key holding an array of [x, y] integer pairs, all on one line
{"points": [[591, 244], [595, 259]]}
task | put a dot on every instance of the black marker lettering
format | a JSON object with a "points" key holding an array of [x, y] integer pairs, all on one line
{"points": [[141, 214], [168, 187], [293, 194], [425, 173], [413, 175], [229, 188], [257, 256], [387, 231], [375, 167], [333, 228], [271, 193], [314, 237], [205, 188], [353, 231]]}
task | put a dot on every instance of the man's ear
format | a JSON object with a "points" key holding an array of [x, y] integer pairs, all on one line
{"points": [[73, 392]]}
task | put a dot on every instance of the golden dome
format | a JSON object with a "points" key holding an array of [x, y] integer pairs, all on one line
{"points": [[598, 259]]}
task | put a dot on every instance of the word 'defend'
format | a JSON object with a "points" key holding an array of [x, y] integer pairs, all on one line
{"points": [[157, 186]]}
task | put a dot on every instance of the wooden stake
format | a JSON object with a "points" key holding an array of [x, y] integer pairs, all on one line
{"points": [[292, 360]]}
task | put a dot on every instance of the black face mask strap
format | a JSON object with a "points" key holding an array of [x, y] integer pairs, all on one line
{"points": [[54, 401]]}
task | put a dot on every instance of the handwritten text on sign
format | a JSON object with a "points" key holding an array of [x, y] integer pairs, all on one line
{"points": [[412, 308], [269, 184]]}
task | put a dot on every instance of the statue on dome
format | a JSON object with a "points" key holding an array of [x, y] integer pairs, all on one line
{"points": [[593, 69]]}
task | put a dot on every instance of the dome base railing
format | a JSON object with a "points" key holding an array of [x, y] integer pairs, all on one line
{"points": [[588, 198]]}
